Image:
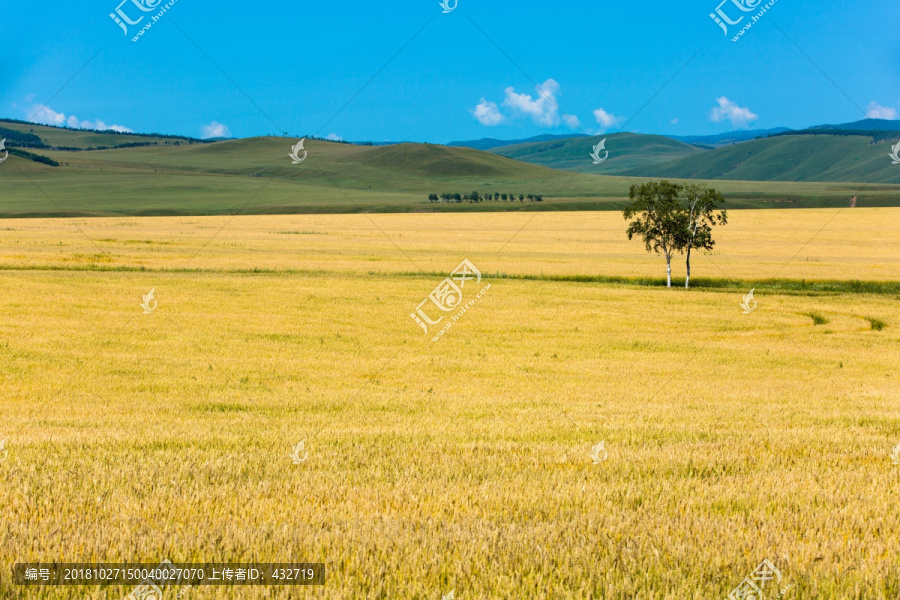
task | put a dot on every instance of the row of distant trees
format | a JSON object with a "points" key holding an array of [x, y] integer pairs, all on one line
{"points": [[33, 157], [107, 131], [20, 139], [673, 218], [477, 197]]}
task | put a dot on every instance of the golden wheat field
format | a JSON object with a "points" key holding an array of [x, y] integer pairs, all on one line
{"points": [[463, 464]]}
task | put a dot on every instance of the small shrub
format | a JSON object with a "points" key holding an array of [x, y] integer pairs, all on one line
{"points": [[877, 325], [817, 318]]}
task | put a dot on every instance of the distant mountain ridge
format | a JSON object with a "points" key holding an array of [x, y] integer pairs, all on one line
{"points": [[865, 125], [491, 143], [848, 152], [713, 140], [730, 137]]}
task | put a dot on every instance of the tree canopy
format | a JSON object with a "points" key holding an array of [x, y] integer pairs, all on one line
{"points": [[673, 218]]}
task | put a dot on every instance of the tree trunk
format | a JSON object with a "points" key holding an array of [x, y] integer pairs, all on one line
{"points": [[687, 281], [668, 270]]}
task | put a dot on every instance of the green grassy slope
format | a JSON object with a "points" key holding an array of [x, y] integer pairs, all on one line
{"points": [[626, 151], [256, 176], [787, 158], [79, 138]]}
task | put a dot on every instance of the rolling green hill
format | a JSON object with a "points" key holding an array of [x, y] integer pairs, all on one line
{"points": [[83, 138], [728, 138], [427, 160], [255, 176], [626, 151], [845, 158]]}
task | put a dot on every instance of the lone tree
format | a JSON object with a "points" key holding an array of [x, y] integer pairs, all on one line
{"points": [[657, 216], [668, 226], [702, 217]]}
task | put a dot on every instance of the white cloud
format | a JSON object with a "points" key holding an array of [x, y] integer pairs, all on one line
{"points": [[543, 110], [101, 126], [876, 111], [606, 120], [47, 116], [29, 98], [215, 130], [334, 137], [674, 121], [730, 111], [572, 121], [488, 113]]}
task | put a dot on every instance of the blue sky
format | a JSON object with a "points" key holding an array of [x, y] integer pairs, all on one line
{"points": [[301, 62]]}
